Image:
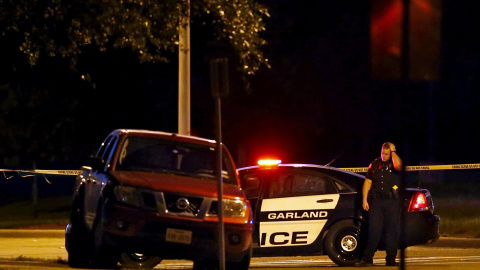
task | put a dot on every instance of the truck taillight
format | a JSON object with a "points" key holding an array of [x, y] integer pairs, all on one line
{"points": [[418, 203]]}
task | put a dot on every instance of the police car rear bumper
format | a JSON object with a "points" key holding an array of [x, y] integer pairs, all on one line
{"points": [[421, 228]]}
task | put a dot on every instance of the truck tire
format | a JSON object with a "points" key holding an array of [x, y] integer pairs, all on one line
{"points": [[77, 239], [104, 256], [138, 260], [241, 265]]}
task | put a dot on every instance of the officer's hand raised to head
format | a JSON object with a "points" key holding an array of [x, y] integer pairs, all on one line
{"points": [[392, 147]]}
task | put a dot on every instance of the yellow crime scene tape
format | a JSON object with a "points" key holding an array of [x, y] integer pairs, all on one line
{"points": [[355, 170], [53, 172], [424, 167]]}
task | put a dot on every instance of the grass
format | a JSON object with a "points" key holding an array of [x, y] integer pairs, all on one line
{"points": [[463, 228], [457, 203], [53, 211], [459, 217]]}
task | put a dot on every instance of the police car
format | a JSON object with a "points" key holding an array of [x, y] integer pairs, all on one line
{"points": [[317, 210]]}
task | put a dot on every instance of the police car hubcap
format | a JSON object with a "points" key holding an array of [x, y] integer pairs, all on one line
{"points": [[349, 243]]}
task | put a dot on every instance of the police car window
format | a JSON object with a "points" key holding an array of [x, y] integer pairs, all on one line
{"points": [[280, 186], [252, 192], [296, 184], [349, 182], [346, 182], [341, 186], [308, 184]]}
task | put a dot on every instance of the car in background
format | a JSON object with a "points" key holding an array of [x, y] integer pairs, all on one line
{"points": [[316, 210], [148, 195]]}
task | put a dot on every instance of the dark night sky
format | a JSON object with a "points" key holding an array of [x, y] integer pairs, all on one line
{"points": [[429, 121], [320, 100], [317, 101]]}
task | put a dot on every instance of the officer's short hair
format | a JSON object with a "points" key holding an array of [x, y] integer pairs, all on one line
{"points": [[386, 145]]}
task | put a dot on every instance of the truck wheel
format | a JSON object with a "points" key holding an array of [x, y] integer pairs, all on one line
{"points": [[205, 265], [243, 264], [77, 240], [343, 243], [138, 260]]}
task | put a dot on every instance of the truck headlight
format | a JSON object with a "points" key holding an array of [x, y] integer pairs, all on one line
{"points": [[231, 208], [128, 195]]}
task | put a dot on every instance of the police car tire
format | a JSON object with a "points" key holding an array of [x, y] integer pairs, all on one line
{"points": [[341, 232]]}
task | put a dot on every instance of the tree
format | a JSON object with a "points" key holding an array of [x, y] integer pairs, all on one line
{"points": [[147, 27], [44, 88]]}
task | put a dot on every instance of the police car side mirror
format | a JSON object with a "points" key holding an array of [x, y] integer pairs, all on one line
{"points": [[251, 182]]}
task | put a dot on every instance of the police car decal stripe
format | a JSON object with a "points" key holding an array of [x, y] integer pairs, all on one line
{"points": [[301, 203], [313, 214], [294, 221], [290, 233]]}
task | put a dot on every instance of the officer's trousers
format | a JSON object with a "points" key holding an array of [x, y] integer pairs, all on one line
{"points": [[384, 214]]}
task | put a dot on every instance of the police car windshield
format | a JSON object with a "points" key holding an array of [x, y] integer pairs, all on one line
{"points": [[167, 156]]}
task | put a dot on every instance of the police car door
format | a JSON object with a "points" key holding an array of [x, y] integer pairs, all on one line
{"points": [[295, 208]]}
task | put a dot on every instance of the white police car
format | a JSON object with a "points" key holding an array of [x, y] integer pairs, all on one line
{"points": [[317, 210]]}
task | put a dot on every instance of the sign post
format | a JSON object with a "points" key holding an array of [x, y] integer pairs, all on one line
{"points": [[219, 89]]}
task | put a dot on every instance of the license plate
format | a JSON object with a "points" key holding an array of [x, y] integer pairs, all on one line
{"points": [[179, 236]]}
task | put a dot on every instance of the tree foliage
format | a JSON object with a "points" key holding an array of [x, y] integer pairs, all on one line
{"points": [[45, 44], [147, 27]]}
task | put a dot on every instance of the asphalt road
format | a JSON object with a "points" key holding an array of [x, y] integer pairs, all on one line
{"points": [[45, 249]]}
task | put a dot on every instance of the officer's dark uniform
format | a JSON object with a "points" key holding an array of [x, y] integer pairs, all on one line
{"points": [[384, 209]]}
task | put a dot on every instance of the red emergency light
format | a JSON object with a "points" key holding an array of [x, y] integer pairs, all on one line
{"points": [[269, 162]]}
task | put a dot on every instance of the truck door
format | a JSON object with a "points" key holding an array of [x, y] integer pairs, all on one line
{"points": [[97, 179]]}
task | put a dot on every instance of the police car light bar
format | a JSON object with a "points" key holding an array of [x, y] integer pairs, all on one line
{"points": [[269, 162]]}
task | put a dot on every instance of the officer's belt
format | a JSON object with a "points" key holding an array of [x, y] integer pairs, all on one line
{"points": [[381, 194]]}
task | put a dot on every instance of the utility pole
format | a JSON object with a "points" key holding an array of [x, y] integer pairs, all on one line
{"points": [[184, 74], [405, 75]]}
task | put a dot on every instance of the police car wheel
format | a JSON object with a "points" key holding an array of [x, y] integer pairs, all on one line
{"points": [[343, 243]]}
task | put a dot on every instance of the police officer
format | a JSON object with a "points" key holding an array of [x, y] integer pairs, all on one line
{"points": [[380, 197]]}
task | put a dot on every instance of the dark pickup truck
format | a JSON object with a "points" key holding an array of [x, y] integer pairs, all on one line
{"points": [[148, 195]]}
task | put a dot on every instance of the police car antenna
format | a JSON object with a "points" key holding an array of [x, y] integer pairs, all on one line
{"points": [[333, 160]]}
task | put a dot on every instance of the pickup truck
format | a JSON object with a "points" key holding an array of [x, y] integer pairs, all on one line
{"points": [[149, 195]]}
